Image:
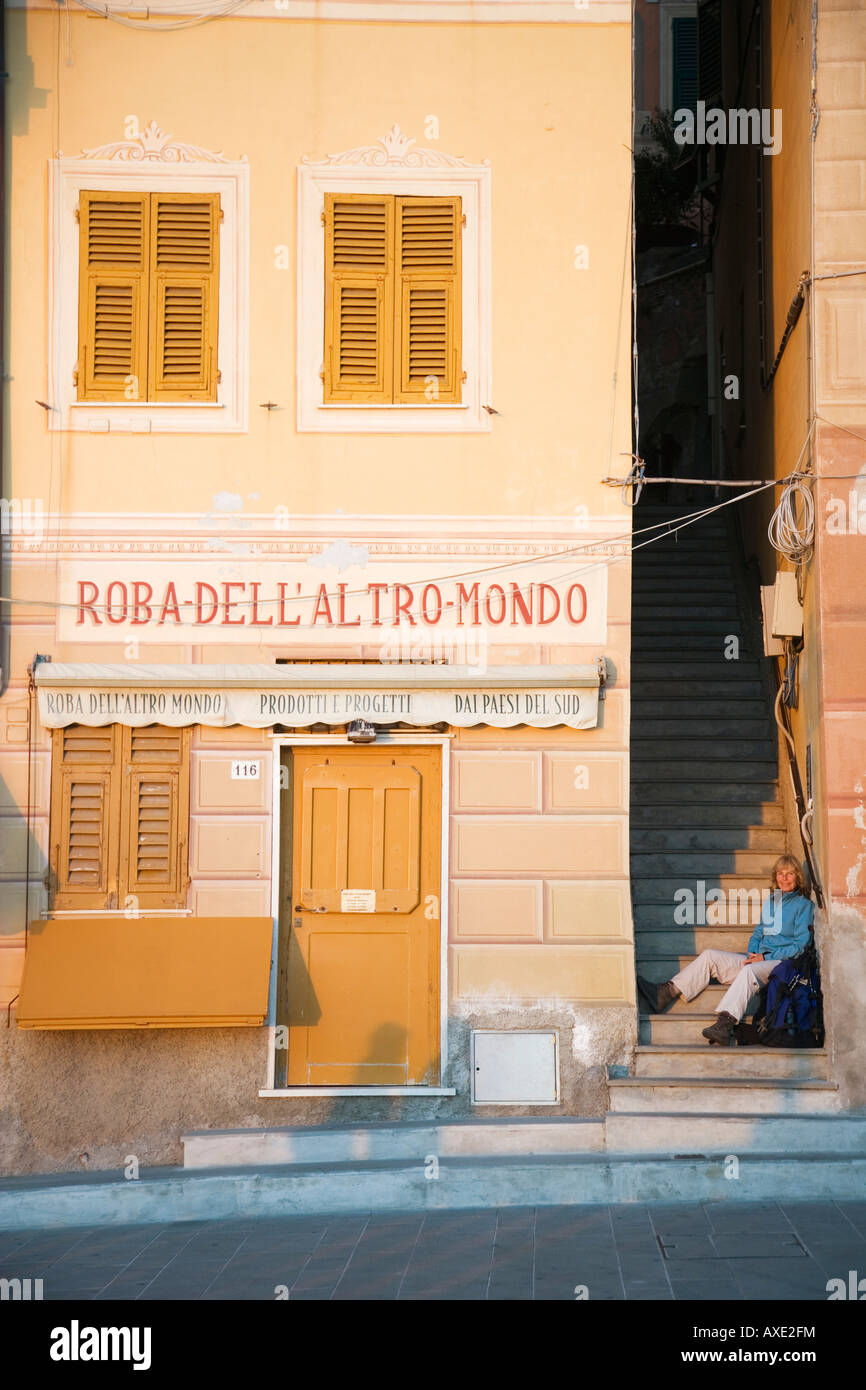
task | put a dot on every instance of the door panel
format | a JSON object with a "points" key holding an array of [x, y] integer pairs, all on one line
{"points": [[363, 973], [360, 829]]}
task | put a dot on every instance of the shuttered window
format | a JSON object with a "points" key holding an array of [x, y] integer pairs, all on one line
{"points": [[119, 817], [685, 62], [392, 299], [148, 297]]}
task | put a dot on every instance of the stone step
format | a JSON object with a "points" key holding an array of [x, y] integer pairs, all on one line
{"points": [[744, 837], [707, 865], [655, 689], [740, 890], [667, 589], [710, 771], [695, 540], [666, 913], [665, 1029], [708, 661], [686, 543], [675, 604], [736, 911], [751, 1095], [695, 669], [167, 1195], [719, 750], [728, 726], [689, 710], [670, 627], [662, 1030], [656, 966], [660, 558], [737, 1134], [770, 814], [706, 1003], [702, 642], [672, 602], [658, 561], [676, 511], [701, 1060], [300, 1144], [672, 940], [649, 566], [660, 568], [695, 618], [705, 794]]}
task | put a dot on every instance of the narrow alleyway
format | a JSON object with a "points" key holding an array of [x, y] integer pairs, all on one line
{"points": [[706, 815]]}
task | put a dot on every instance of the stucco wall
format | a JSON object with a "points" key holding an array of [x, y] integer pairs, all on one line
{"points": [[547, 105]]}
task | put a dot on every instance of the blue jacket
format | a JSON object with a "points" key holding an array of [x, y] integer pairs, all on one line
{"points": [[783, 930]]}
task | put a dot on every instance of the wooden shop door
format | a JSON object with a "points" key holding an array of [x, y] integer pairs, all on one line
{"points": [[363, 965]]}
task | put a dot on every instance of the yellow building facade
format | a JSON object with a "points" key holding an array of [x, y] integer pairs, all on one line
{"points": [[319, 346]]}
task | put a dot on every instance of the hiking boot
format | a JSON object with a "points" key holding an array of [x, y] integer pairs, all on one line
{"points": [[720, 1032], [659, 997]]}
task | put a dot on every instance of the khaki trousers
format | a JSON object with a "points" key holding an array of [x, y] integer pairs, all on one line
{"points": [[729, 968]]}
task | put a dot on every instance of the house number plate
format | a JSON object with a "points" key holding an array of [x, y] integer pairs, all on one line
{"points": [[246, 771]]}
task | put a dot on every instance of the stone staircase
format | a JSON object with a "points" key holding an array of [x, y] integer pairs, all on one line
{"points": [[706, 814]]}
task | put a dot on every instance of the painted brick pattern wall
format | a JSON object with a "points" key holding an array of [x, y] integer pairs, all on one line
{"points": [[230, 825], [540, 904]]}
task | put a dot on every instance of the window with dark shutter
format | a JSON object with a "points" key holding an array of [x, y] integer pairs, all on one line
{"points": [[685, 63]]}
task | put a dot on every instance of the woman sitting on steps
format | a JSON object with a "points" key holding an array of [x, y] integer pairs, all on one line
{"points": [[782, 932]]}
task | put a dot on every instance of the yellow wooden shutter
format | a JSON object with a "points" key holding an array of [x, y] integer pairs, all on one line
{"points": [[359, 297], [427, 367], [114, 237], [85, 815], [154, 830], [184, 296]]}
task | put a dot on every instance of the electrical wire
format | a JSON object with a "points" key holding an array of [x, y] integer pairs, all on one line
{"points": [[221, 12], [834, 424], [792, 535], [681, 524], [665, 529]]}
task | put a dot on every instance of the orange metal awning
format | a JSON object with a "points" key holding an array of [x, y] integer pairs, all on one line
{"points": [[146, 972]]}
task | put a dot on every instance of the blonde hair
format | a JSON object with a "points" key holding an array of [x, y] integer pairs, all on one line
{"points": [[787, 861]]}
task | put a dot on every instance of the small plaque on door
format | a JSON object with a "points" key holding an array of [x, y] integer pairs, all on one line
{"points": [[358, 900]]}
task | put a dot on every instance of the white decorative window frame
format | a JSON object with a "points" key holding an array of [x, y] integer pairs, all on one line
{"points": [[151, 164], [393, 167]]}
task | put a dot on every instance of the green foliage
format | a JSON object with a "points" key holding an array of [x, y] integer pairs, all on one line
{"points": [[664, 177]]}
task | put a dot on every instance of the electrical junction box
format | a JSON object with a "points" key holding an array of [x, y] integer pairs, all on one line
{"points": [[773, 646], [514, 1068], [787, 613]]}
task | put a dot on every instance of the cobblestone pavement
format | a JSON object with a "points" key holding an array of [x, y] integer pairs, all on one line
{"points": [[709, 1251]]}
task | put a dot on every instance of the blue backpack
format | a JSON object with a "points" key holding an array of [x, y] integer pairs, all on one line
{"points": [[792, 1014]]}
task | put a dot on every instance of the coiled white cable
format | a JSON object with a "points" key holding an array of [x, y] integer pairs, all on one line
{"points": [[793, 538]]}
